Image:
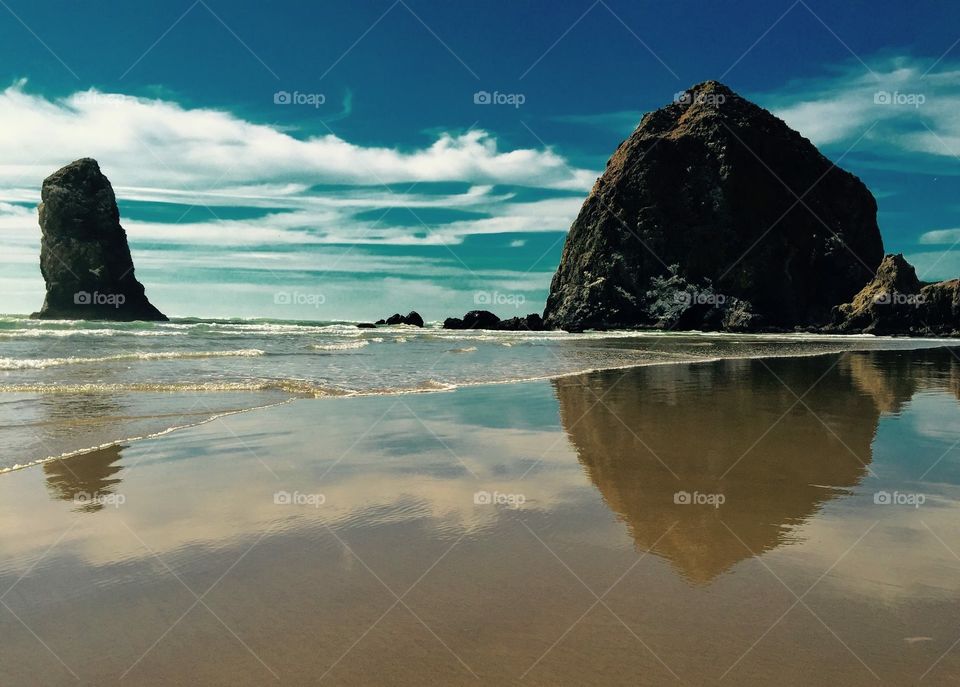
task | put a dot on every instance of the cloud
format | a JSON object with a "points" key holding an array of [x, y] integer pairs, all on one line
{"points": [[905, 117], [159, 144], [941, 237]]}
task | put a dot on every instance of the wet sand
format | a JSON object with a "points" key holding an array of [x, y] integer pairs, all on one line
{"points": [[717, 523]]}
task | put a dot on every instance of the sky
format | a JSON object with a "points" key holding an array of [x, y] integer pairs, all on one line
{"points": [[348, 160]]}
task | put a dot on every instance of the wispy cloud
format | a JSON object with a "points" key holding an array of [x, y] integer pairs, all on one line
{"points": [[159, 144], [913, 112], [941, 237]]}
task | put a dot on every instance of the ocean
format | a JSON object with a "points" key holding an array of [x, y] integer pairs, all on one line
{"points": [[68, 387]]}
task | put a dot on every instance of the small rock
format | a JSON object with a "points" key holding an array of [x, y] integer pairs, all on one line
{"points": [[412, 318]]}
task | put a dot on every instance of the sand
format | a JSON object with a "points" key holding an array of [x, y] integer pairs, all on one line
{"points": [[719, 523]]}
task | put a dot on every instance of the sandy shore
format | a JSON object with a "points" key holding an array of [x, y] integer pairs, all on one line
{"points": [[350, 541]]}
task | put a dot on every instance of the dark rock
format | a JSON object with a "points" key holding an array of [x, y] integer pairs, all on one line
{"points": [[711, 184], [940, 312], [674, 303], [84, 256], [896, 302], [366, 325], [484, 319], [480, 319], [475, 319], [532, 322], [887, 304], [737, 317], [412, 318]]}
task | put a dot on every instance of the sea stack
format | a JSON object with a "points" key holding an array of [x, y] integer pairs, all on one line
{"points": [[84, 256], [714, 214], [896, 302]]}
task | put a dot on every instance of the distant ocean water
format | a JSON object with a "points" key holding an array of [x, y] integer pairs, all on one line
{"points": [[67, 386]]}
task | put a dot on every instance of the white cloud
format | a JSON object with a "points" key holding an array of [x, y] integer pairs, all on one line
{"points": [[910, 111], [941, 237], [159, 144]]}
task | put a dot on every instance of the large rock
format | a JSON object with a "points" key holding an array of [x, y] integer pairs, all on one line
{"points": [[940, 311], [84, 256], [744, 206], [887, 304], [896, 302]]}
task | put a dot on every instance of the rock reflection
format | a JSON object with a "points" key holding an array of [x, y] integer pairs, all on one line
{"points": [[776, 438], [87, 479]]}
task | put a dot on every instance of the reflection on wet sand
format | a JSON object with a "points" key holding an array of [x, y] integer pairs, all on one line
{"points": [[84, 476], [495, 594], [650, 437], [892, 378]]}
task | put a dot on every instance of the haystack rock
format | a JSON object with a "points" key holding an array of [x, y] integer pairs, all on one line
{"points": [[714, 203], [84, 256]]}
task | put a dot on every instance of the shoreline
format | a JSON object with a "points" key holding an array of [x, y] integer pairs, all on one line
{"points": [[433, 325], [449, 388]]}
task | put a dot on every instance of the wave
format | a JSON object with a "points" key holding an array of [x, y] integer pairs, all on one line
{"points": [[41, 363], [62, 333], [298, 387], [294, 386], [346, 346]]}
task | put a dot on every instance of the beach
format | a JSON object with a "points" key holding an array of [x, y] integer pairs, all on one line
{"points": [[750, 521]]}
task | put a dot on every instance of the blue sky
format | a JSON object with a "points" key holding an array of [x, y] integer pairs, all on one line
{"points": [[329, 160]]}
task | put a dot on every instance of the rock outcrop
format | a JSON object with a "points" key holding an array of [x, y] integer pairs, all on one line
{"points": [[84, 256], [484, 319], [896, 302], [412, 318], [746, 208]]}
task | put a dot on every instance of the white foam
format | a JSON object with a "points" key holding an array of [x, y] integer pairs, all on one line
{"points": [[41, 363], [346, 346]]}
